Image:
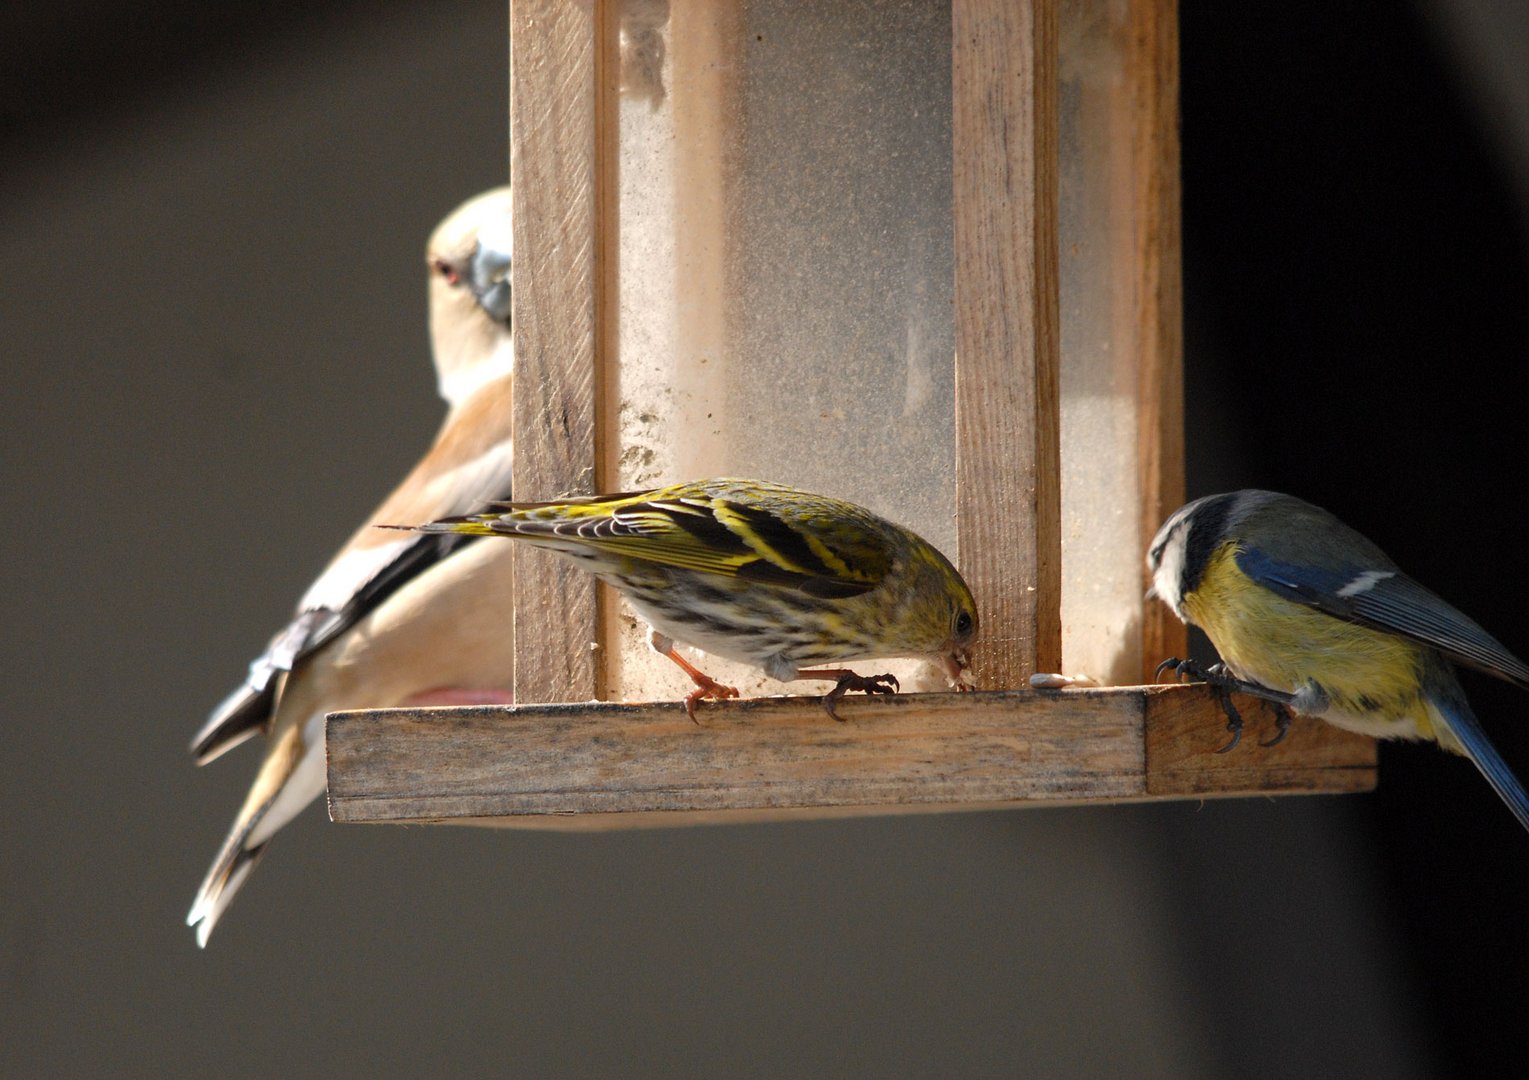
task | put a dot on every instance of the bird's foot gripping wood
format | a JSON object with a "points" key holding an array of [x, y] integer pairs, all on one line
{"points": [[1225, 684], [848, 680], [1281, 725], [705, 685]]}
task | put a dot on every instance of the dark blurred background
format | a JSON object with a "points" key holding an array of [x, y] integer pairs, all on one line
{"points": [[212, 219]]}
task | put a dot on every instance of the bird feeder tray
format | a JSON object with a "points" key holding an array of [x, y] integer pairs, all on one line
{"points": [[923, 257], [605, 766]]}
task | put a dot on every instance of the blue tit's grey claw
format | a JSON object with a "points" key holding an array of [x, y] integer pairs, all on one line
{"points": [[1182, 669], [1234, 725], [1282, 726], [1171, 662], [1233, 717], [1220, 676]]}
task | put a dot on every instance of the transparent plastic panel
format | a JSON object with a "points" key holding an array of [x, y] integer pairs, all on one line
{"points": [[785, 270], [1101, 516]]}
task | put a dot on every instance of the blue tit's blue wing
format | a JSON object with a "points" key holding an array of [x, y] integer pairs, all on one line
{"points": [[1388, 600]]}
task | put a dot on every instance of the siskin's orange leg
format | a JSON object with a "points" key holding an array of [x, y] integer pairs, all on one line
{"points": [[847, 681], [705, 685]]}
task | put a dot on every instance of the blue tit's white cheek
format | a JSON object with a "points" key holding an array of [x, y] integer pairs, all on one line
{"points": [[1167, 578]]}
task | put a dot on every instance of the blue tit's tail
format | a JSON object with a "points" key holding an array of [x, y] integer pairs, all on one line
{"points": [[1471, 741]]}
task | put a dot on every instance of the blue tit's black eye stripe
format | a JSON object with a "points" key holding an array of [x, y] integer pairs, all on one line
{"points": [[1205, 527]]}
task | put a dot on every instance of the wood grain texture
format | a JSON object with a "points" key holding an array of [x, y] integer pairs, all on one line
{"points": [[1008, 481], [1152, 78], [1186, 727], [613, 765], [555, 172]]}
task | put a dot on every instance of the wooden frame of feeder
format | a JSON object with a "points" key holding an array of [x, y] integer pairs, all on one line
{"points": [[603, 765]]}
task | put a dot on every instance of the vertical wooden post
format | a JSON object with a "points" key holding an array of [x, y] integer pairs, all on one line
{"points": [[555, 169], [1008, 485], [1152, 70]]}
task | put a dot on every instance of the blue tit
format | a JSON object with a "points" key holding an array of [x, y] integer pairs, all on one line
{"points": [[1308, 613]]}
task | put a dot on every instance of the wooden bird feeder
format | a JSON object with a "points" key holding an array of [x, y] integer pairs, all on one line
{"points": [[921, 256]]}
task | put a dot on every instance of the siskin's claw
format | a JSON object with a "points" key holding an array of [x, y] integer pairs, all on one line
{"points": [[709, 689], [705, 685], [866, 684]]}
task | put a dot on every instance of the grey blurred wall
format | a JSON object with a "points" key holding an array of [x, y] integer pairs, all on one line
{"points": [[213, 317]]}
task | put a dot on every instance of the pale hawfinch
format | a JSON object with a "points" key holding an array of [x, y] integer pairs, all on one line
{"points": [[395, 618]]}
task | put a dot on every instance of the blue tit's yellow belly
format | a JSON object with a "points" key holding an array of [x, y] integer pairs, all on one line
{"points": [[1372, 680]]}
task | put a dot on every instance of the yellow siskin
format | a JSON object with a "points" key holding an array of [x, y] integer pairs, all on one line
{"points": [[759, 573]]}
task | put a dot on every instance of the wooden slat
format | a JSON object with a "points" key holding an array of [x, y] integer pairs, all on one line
{"points": [[1185, 731], [1008, 483], [555, 173], [637, 765], [1152, 75]]}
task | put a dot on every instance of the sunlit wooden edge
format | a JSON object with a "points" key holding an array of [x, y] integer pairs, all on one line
{"points": [[599, 766]]}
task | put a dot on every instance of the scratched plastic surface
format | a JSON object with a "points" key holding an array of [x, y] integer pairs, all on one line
{"points": [[1102, 548], [785, 283], [785, 270]]}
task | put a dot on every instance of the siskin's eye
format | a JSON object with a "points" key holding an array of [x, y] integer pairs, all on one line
{"points": [[963, 624]]}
